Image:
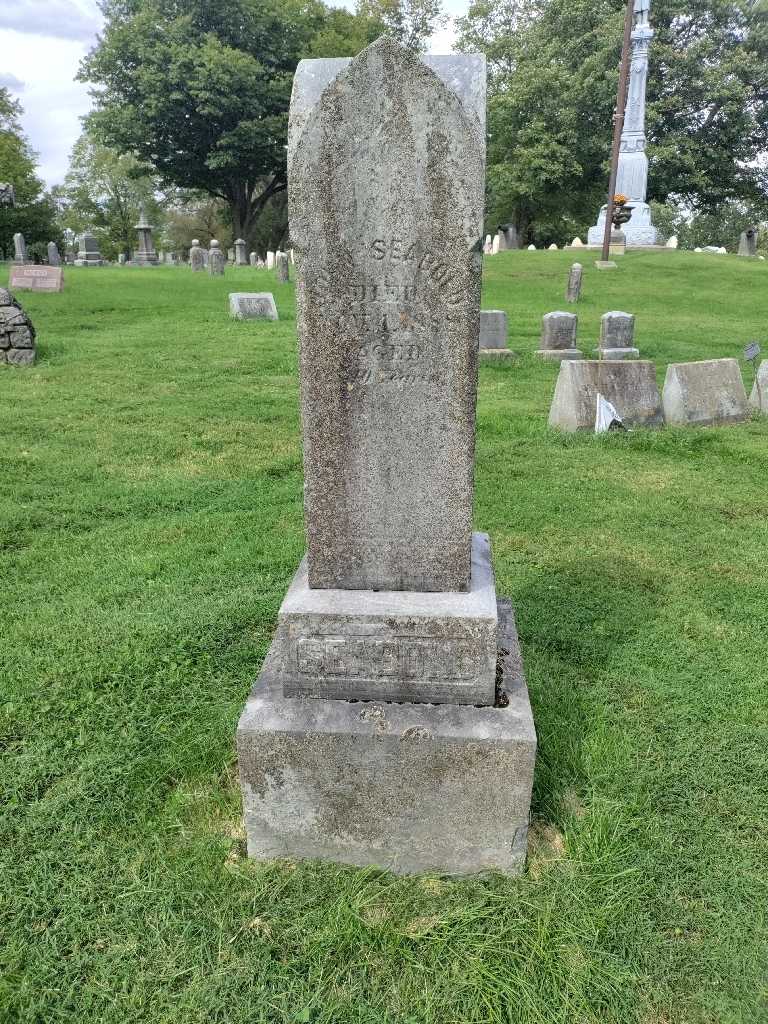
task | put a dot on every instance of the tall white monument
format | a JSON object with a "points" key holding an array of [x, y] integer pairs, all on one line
{"points": [[632, 179]]}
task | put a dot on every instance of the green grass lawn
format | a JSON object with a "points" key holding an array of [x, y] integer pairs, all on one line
{"points": [[150, 521]]}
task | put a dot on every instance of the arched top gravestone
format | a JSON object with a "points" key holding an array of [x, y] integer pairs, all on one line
{"points": [[386, 170]]}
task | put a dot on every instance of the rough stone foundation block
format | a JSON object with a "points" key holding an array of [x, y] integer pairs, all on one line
{"points": [[409, 787], [391, 645], [708, 393], [629, 386]]}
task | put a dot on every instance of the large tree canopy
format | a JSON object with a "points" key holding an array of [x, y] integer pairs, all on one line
{"points": [[199, 91], [34, 214], [554, 75]]}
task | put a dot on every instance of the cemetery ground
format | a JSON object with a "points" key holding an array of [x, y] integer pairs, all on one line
{"points": [[151, 521]]}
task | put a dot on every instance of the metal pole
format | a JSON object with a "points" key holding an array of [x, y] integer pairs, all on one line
{"points": [[618, 127]]}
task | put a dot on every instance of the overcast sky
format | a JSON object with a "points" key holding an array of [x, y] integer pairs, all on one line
{"points": [[42, 43]]}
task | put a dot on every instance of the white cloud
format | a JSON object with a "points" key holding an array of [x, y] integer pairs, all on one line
{"points": [[59, 19], [11, 82]]}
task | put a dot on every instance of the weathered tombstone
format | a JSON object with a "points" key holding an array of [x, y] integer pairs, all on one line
{"points": [[488, 245], [215, 258], [231, 256], [493, 334], [253, 259], [496, 244], [759, 397], [629, 386], [577, 243], [748, 242], [205, 259], [252, 306], [54, 259], [145, 254], [88, 254], [20, 249], [531, 248], [673, 242], [121, 259], [553, 248], [558, 336], [617, 336], [270, 260], [507, 237], [618, 243], [196, 255], [36, 278], [281, 267], [17, 335], [708, 393], [573, 290], [170, 258], [241, 256], [396, 600]]}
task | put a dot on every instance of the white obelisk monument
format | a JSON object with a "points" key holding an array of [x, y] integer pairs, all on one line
{"points": [[633, 163]]}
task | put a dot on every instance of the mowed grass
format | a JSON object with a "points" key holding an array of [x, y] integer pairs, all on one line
{"points": [[150, 521]]}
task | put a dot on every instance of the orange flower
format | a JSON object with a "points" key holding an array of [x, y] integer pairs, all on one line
{"points": [[620, 200]]}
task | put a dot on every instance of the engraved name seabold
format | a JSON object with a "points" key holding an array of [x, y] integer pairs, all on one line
{"points": [[378, 657]]}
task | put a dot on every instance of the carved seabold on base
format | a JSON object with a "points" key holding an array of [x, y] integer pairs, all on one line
{"points": [[391, 723]]}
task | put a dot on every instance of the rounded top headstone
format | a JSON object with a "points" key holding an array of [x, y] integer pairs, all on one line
{"points": [[195, 241], [214, 243]]}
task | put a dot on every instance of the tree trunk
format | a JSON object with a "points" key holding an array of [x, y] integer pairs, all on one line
{"points": [[246, 204]]}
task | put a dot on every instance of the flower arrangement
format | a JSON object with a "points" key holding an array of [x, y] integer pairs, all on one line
{"points": [[622, 212]]}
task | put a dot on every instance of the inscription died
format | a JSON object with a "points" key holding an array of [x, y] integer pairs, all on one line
{"points": [[366, 657]]}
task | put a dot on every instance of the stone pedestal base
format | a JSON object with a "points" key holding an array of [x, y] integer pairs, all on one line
{"points": [[617, 353], [494, 354], [639, 231], [559, 353], [89, 263], [408, 787], [605, 265]]}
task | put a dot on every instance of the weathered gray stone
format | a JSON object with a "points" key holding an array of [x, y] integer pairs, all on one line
{"points": [[241, 258], [20, 249], [254, 259], [617, 335], [121, 259], [388, 254], [629, 386], [88, 254], [281, 267], [216, 260], [270, 260], [54, 259], [493, 330], [748, 242], [558, 336], [145, 253], [231, 256], [17, 335], [709, 393], [759, 397], [409, 787], [391, 645], [573, 290], [34, 278], [252, 306], [196, 255]]}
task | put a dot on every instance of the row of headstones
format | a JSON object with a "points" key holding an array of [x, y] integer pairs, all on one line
{"points": [[559, 332], [214, 261], [706, 393], [747, 244], [21, 255]]}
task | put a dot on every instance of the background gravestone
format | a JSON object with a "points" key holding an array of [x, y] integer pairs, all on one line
{"points": [[396, 599], [708, 393], [20, 249], [88, 254], [494, 331], [748, 242], [759, 396], [17, 335], [241, 257], [558, 336], [629, 386], [196, 256], [617, 336], [281, 267], [252, 306], [573, 289], [145, 254], [215, 259], [54, 259], [253, 259]]}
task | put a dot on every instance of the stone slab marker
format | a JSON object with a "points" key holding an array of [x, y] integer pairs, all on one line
{"points": [[216, 260], [558, 336], [54, 259], [758, 399], [36, 278], [573, 290], [708, 393], [494, 330], [241, 259], [252, 306], [20, 248], [374, 734], [629, 386], [617, 336], [281, 267], [196, 256]]}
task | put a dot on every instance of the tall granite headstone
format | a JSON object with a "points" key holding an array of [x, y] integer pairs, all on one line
{"points": [[281, 267], [196, 255], [253, 259], [19, 249], [216, 260], [573, 291], [54, 259], [396, 600], [748, 242], [241, 257], [88, 254], [145, 254]]}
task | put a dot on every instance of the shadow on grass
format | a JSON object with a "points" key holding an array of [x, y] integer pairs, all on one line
{"points": [[574, 620]]}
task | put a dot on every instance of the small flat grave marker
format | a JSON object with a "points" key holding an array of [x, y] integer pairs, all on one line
{"points": [[252, 306], [35, 279]]}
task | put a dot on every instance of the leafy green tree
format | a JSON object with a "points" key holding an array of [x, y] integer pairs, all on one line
{"points": [[34, 213], [412, 22], [199, 91], [553, 81], [103, 191]]}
